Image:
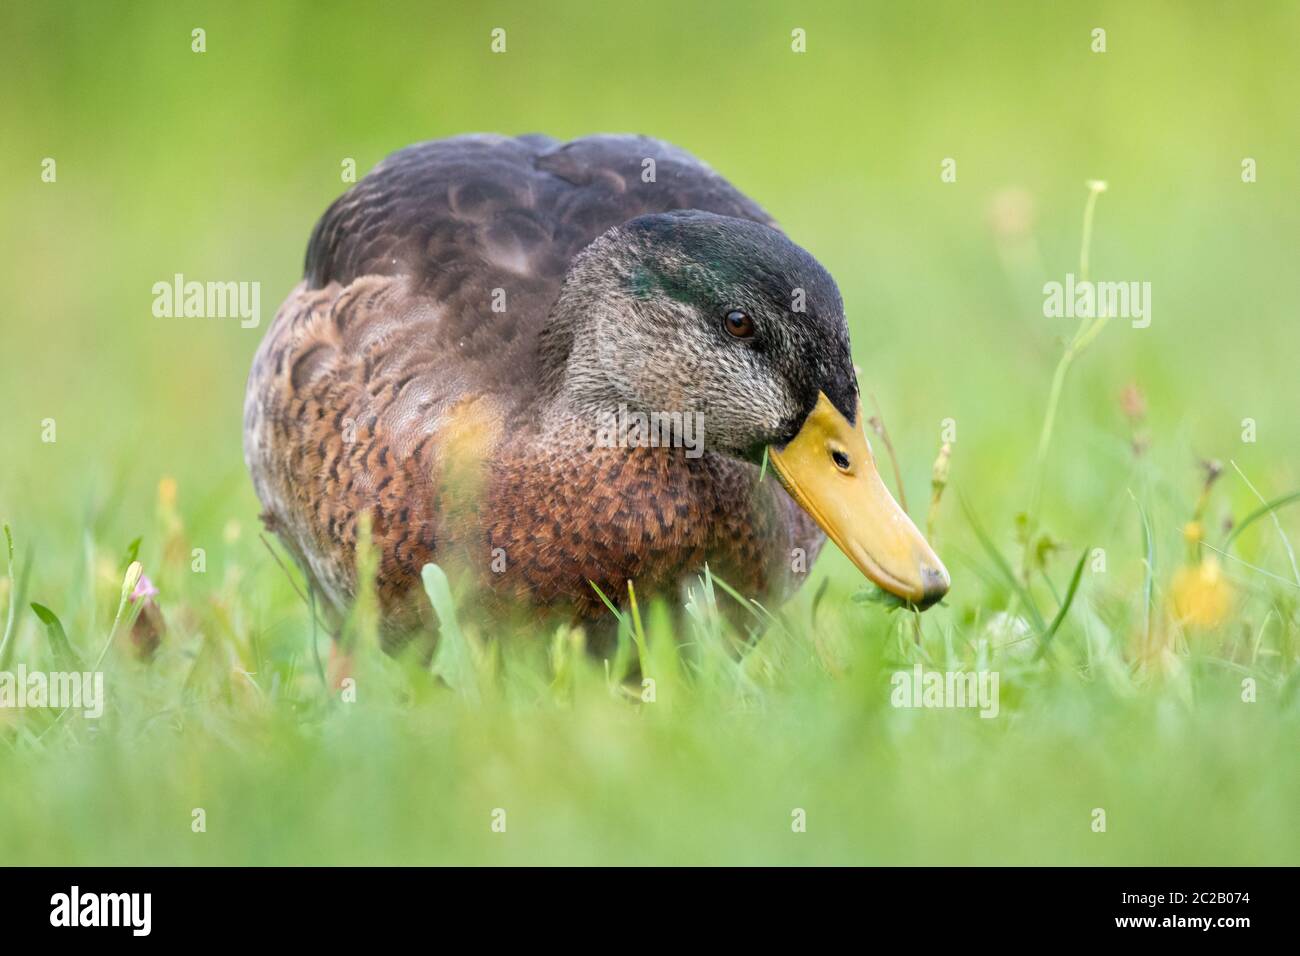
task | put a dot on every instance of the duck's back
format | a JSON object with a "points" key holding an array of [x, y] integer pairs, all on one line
{"points": [[521, 206], [426, 286]]}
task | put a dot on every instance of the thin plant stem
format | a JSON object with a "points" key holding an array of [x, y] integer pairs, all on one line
{"points": [[1286, 543], [883, 432], [1088, 330]]}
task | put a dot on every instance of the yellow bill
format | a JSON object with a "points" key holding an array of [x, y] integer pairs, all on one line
{"points": [[829, 470]]}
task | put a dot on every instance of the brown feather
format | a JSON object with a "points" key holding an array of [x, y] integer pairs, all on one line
{"points": [[388, 384]]}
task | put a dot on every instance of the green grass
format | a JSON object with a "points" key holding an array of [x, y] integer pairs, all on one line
{"points": [[233, 717], [238, 724], [216, 166]]}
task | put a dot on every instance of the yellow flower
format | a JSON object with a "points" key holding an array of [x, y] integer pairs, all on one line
{"points": [[167, 493], [1202, 596]]}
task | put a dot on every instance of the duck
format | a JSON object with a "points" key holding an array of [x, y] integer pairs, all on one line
{"points": [[560, 367]]}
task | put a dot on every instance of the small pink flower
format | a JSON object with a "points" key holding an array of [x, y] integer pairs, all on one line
{"points": [[149, 627], [144, 589]]}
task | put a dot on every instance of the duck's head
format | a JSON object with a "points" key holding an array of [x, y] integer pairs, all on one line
{"points": [[728, 320]]}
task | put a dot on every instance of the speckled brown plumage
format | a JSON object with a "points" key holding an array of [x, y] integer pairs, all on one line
{"points": [[651, 515], [388, 383]]}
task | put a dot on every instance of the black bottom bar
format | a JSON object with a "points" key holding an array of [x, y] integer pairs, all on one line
{"points": [[338, 905]]}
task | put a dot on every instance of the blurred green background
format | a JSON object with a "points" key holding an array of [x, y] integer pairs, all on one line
{"points": [[217, 165]]}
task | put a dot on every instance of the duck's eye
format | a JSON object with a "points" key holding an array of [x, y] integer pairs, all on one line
{"points": [[841, 460], [739, 324]]}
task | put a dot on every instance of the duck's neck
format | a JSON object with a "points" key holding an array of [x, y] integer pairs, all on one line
{"points": [[579, 374], [576, 380]]}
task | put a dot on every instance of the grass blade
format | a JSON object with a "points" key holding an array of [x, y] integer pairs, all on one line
{"points": [[64, 655], [744, 602], [608, 603], [452, 661], [1004, 569], [132, 553], [1065, 606], [1260, 512], [1148, 585], [638, 632], [13, 602]]}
